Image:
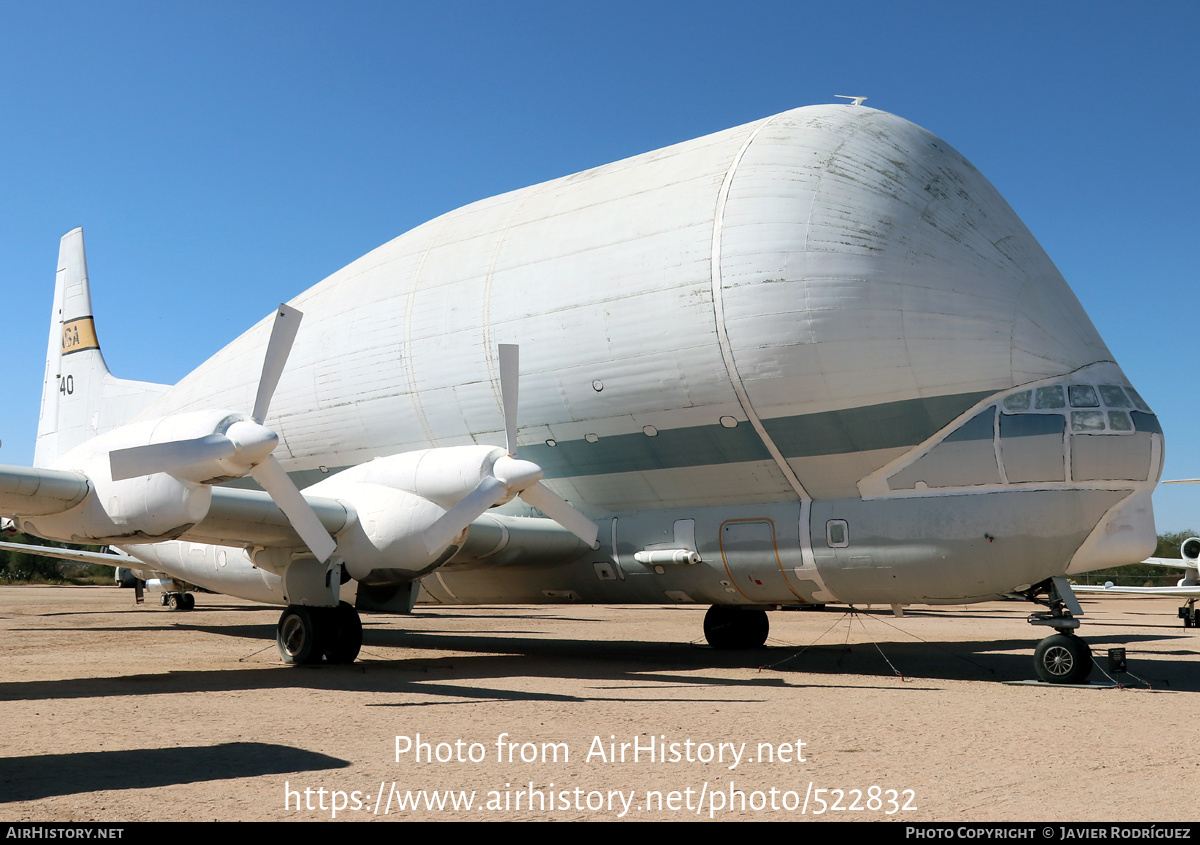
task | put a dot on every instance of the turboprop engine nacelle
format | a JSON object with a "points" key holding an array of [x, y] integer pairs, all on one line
{"points": [[444, 475], [148, 509], [143, 508], [385, 543], [398, 533], [395, 500]]}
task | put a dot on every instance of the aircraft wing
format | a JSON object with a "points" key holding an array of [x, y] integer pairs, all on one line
{"points": [[1171, 562], [235, 518], [1184, 592], [37, 492], [251, 518]]}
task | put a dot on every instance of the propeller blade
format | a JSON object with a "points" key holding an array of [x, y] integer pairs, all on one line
{"points": [[509, 383], [164, 457], [557, 508], [299, 512], [452, 523], [283, 333]]}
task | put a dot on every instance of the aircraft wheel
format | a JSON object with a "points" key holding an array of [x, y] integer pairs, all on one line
{"points": [[343, 634], [188, 601], [164, 599], [297, 635], [731, 628], [1063, 659], [173, 601]]}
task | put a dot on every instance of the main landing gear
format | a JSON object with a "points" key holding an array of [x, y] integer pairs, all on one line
{"points": [[1188, 614], [730, 627], [1062, 657], [179, 601], [319, 634]]}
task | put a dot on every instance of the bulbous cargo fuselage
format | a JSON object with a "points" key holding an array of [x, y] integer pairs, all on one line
{"points": [[819, 349]]}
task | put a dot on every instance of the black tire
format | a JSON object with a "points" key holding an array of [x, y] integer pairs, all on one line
{"points": [[189, 601], [298, 636], [344, 634], [1063, 659], [173, 601], [734, 629]]}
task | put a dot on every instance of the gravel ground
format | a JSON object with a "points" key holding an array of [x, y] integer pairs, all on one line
{"points": [[115, 712]]}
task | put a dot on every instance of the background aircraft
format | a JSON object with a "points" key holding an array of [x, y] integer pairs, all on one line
{"points": [[1188, 587], [815, 358]]}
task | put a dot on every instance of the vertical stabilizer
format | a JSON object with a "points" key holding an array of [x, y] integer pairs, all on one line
{"points": [[80, 398]]}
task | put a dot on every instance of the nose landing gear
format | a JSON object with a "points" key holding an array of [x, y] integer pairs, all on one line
{"points": [[1062, 657]]}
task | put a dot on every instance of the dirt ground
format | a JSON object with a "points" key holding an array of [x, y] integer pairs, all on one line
{"points": [[113, 712]]}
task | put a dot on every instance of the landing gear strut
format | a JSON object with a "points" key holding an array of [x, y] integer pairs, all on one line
{"points": [[1062, 657], [1188, 614], [732, 628], [319, 634]]}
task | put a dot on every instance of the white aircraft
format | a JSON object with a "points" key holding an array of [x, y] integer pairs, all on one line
{"points": [[1188, 587], [813, 359]]}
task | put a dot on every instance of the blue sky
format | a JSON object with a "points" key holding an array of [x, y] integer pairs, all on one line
{"points": [[224, 156]]}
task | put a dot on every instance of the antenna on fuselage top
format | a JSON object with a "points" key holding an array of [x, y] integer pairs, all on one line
{"points": [[855, 101]]}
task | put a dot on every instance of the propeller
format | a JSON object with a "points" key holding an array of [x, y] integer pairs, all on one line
{"points": [[243, 448], [510, 476]]}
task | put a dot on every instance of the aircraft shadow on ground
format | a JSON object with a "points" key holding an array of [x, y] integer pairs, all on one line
{"points": [[454, 668], [46, 776]]}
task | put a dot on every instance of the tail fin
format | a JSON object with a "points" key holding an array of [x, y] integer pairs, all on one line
{"points": [[80, 398]]}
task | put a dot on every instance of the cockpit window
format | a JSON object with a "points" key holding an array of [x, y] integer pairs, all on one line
{"points": [[1119, 421], [1087, 421], [1049, 434], [1083, 396], [1114, 397], [1050, 397], [1018, 401], [1138, 400]]}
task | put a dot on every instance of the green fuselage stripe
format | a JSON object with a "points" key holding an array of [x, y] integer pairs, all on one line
{"points": [[889, 425]]}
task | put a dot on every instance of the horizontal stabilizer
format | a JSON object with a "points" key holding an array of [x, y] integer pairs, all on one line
{"points": [[74, 555]]}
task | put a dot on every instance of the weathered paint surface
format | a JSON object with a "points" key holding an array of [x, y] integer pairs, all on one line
{"points": [[804, 319], [863, 263]]}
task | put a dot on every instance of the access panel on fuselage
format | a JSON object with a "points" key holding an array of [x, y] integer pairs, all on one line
{"points": [[750, 553]]}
